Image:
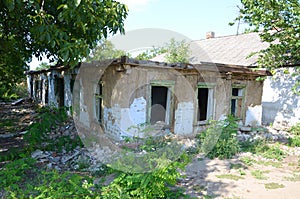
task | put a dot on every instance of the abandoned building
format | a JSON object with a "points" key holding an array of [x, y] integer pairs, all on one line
{"points": [[127, 94], [280, 105]]}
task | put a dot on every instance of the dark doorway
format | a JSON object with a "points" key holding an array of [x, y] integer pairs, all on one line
{"points": [[59, 91], [202, 103], [159, 97]]}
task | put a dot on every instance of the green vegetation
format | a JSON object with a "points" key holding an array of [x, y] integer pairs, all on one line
{"points": [[155, 184], [39, 132], [277, 22], [105, 50], [63, 31], [295, 129], [248, 160], [262, 148], [236, 166], [230, 177], [174, 51], [294, 141], [219, 140], [274, 152], [38, 135], [149, 54], [24, 178], [294, 178], [177, 52], [273, 185], [258, 174]]}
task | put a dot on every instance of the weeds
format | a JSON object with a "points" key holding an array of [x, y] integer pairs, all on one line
{"points": [[258, 174], [274, 152], [230, 177], [219, 140], [295, 129], [273, 185], [294, 178]]}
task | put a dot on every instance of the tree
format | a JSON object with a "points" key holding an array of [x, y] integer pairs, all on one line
{"points": [[105, 50], [63, 30], [175, 52], [43, 65], [278, 23], [149, 54]]}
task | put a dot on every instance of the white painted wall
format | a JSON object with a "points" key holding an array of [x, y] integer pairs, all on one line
{"points": [[184, 117], [253, 116], [124, 121], [280, 105]]}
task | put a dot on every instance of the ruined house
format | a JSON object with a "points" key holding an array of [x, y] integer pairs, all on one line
{"points": [[124, 95], [280, 106]]}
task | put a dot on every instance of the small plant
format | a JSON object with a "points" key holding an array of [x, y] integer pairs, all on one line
{"points": [[229, 176], [294, 141], [258, 174], [273, 185], [294, 178], [219, 140], [295, 129], [235, 166], [242, 172], [248, 160], [274, 152], [270, 163]]}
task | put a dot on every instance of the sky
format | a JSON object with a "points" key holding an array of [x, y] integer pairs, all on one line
{"points": [[191, 18]]}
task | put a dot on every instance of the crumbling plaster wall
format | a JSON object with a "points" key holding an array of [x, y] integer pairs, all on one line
{"points": [[127, 98]]}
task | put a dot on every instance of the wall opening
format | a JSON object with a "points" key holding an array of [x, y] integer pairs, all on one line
{"points": [[205, 101], [160, 102], [59, 91], [46, 92], [41, 90], [31, 87], [202, 103], [237, 104], [98, 102]]}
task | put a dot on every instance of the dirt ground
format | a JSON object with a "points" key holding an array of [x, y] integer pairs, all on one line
{"points": [[14, 121], [203, 177]]}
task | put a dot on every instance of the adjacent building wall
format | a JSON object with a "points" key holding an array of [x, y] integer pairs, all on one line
{"points": [[281, 106]]}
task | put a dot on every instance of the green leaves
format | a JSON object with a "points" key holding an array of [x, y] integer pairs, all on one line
{"points": [[278, 22], [64, 30]]}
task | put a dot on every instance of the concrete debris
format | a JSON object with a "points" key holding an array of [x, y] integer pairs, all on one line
{"points": [[17, 102]]}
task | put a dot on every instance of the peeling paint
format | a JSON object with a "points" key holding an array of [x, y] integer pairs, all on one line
{"points": [[253, 116], [184, 117]]}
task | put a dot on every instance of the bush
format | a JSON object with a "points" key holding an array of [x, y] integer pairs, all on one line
{"points": [[219, 140], [155, 184]]}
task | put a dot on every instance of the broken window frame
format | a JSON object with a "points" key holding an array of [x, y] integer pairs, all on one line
{"points": [[241, 96], [170, 100], [99, 102], [210, 102]]}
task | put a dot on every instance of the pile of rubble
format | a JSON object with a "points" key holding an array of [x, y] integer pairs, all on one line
{"points": [[262, 133]]}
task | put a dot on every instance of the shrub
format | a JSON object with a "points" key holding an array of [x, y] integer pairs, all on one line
{"points": [[219, 140], [155, 184]]}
